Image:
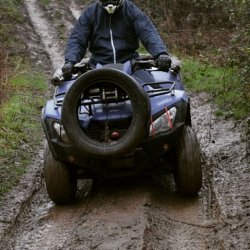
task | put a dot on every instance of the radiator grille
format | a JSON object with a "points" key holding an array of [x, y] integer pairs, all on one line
{"points": [[96, 129]]}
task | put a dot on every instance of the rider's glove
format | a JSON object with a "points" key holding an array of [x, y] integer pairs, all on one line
{"points": [[67, 70], [163, 62]]}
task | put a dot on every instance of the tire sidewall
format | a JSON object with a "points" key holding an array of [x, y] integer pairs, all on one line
{"points": [[187, 169], [60, 178]]}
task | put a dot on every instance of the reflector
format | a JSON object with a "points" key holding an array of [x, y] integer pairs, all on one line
{"points": [[115, 134], [71, 158]]}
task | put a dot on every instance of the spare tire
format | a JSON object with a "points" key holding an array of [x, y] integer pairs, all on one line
{"points": [[139, 126]]}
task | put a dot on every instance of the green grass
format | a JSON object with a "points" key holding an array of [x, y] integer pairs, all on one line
{"points": [[10, 10], [20, 126], [200, 77], [58, 14], [141, 49], [222, 85], [61, 28], [46, 1]]}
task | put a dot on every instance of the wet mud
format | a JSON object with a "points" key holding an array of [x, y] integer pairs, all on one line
{"points": [[143, 213]]}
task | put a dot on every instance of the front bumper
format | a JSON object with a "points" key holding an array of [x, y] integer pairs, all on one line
{"points": [[151, 148], [131, 164]]}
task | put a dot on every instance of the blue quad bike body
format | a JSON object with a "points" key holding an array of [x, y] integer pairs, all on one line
{"points": [[106, 123]]}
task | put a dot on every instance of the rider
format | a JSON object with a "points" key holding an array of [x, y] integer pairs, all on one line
{"points": [[110, 29]]}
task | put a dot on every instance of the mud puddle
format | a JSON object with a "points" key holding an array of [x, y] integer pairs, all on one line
{"points": [[129, 213], [42, 225], [141, 213], [145, 213]]}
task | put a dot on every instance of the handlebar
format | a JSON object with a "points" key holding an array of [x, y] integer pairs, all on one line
{"points": [[146, 62]]}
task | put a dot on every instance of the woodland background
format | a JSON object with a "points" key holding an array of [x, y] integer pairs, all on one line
{"points": [[217, 32]]}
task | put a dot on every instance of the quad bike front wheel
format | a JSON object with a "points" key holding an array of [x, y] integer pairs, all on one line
{"points": [[60, 178], [187, 167]]}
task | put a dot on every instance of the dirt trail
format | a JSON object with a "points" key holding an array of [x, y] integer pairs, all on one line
{"points": [[132, 213], [46, 33]]}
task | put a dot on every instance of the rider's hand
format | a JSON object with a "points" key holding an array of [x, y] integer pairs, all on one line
{"points": [[163, 62], [67, 70]]}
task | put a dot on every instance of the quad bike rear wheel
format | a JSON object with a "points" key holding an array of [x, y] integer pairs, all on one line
{"points": [[139, 126], [187, 167], [60, 178]]}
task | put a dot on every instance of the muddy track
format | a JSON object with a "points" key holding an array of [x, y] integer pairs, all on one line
{"points": [[132, 213]]}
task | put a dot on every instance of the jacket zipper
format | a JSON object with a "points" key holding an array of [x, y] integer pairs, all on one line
{"points": [[112, 41]]}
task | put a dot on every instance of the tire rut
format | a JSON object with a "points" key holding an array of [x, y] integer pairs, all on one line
{"points": [[180, 222], [46, 33], [41, 225], [224, 151], [118, 216], [17, 199]]}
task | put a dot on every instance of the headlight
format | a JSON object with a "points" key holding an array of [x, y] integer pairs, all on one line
{"points": [[162, 123], [61, 132]]}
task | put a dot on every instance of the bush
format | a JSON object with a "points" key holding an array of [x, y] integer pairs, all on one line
{"points": [[239, 50], [214, 31]]}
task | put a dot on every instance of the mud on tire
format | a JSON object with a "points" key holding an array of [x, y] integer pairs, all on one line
{"points": [[60, 178], [187, 167]]}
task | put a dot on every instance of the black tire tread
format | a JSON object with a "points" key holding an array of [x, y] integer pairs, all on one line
{"points": [[188, 170], [60, 178]]}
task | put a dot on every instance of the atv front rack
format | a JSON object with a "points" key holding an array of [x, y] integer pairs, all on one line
{"points": [[155, 91], [159, 91]]}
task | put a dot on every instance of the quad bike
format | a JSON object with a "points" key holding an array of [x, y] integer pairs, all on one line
{"points": [[105, 123]]}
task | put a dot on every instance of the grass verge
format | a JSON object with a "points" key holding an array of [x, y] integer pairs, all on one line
{"points": [[20, 126], [222, 84]]}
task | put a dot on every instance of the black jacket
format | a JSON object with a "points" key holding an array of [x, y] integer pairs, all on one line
{"points": [[112, 38]]}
